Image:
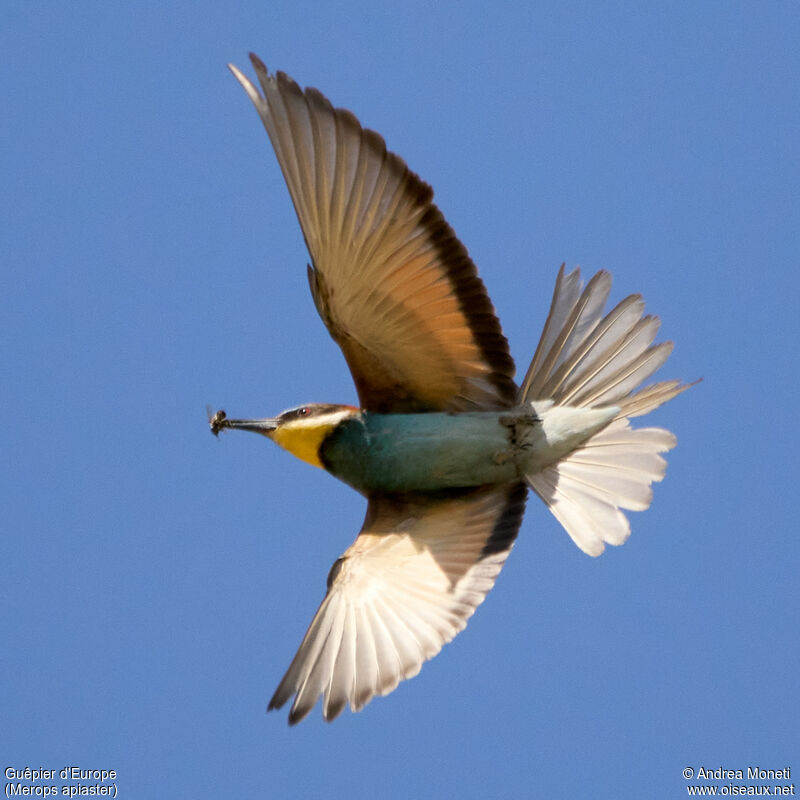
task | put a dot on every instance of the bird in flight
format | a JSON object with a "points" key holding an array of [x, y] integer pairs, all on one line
{"points": [[444, 445]]}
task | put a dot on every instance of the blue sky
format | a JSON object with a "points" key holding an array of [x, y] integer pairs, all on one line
{"points": [[157, 581]]}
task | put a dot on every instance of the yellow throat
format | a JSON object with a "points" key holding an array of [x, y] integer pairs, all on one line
{"points": [[303, 437]]}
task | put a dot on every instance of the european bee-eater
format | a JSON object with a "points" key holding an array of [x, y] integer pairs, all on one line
{"points": [[444, 444]]}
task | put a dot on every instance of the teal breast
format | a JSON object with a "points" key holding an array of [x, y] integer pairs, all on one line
{"points": [[419, 452]]}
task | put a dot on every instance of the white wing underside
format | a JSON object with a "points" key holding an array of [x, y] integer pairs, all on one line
{"points": [[408, 584]]}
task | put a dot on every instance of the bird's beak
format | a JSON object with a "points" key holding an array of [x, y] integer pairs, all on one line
{"points": [[265, 427]]}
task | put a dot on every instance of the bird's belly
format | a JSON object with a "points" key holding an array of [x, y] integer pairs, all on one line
{"points": [[420, 452]]}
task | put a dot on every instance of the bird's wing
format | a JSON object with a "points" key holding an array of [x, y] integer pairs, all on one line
{"points": [[396, 289], [406, 586]]}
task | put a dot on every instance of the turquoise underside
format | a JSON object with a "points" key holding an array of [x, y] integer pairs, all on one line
{"points": [[420, 452]]}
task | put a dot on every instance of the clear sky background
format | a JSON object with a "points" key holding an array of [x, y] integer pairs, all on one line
{"points": [[156, 581]]}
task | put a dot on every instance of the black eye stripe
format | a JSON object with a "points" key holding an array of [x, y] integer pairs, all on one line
{"points": [[296, 413]]}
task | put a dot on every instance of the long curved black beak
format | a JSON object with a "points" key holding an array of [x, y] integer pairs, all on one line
{"points": [[219, 421]]}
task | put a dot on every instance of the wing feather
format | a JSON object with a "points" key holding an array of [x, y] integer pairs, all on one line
{"points": [[407, 585], [396, 289]]}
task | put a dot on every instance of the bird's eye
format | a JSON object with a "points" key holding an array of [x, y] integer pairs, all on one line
{"points": [[303, 412]]}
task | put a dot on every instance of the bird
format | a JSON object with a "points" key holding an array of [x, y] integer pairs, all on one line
{"points": [[444, 444]]}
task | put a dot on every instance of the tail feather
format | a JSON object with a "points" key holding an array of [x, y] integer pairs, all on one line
{"points": [[572, 315], [583, 360], [625, 379], [590, 521], [651, 397], [609, 366], [592, 355]]}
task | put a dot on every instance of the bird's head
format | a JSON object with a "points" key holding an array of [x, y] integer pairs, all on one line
{"points": [[299, 430]]}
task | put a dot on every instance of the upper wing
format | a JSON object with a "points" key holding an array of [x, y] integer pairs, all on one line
{"points": [[396, 289], [406, 586]]}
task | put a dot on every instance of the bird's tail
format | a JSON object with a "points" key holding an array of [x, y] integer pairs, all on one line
{"points": [[587, 360]]}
